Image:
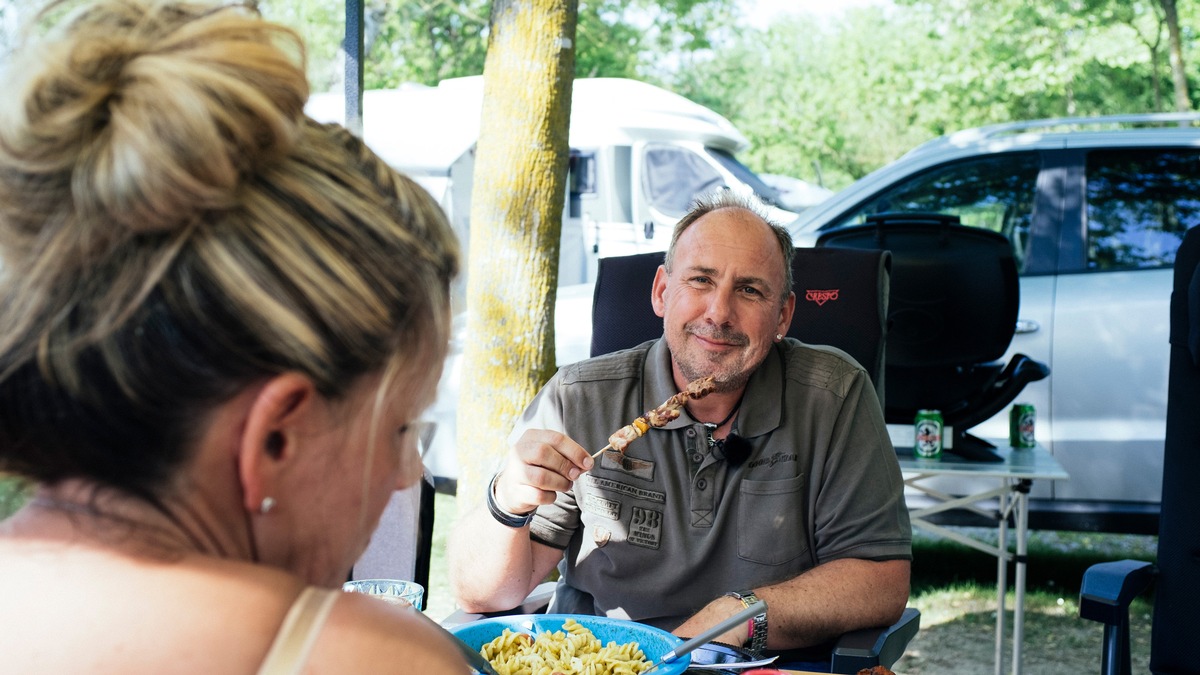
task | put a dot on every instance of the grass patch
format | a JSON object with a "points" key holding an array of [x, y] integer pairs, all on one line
{"points": [[1057, 560]]}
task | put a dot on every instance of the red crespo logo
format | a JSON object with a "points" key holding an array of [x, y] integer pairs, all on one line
{"points": [[821, 297]]}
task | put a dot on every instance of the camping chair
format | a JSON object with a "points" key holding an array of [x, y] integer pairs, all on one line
{"points": [[1108, 588], [952, 315], [841, 301], [846, 294]]}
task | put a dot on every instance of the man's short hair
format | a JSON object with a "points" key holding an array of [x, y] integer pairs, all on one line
{"points": [[728, 199]]}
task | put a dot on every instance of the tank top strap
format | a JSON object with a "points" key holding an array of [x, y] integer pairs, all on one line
{"points": [[304, 620]]}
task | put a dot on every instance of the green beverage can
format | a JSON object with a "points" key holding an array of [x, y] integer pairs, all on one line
{"points": [[1020, 426], [928, 431]]}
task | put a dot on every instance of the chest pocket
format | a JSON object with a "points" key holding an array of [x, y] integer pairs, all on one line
{"points": [[771, 520]]}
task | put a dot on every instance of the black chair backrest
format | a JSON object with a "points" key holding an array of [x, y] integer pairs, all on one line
{"points": [[622, 316], [1176, 621], [841, 300], [954, 289]]}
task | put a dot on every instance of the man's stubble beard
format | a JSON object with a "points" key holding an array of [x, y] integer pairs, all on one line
{"points": [[730, 375]]}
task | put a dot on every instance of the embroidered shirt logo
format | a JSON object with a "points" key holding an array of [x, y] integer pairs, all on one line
{"points": [[625, 489], [645, 528], [638, 468], [821, 297], [774, 459]]}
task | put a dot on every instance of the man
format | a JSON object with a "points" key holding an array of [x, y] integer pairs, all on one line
{"points": [[782, 484]]}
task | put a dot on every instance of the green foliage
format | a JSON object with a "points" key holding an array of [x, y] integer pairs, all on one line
{"points": [[851, 95], [424, 41], [427, 41], [827, 100], [13, 493]]}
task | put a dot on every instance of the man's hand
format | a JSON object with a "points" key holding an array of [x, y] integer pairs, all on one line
{"points": [[541, 464]]}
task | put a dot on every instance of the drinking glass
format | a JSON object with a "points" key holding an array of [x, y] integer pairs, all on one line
{"points": [[395, 591]]}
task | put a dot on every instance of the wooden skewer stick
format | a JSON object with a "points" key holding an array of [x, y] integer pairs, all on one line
{"points": [[597, 453]]}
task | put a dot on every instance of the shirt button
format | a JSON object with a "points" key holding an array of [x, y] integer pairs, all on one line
{"points": [[701, 484], [691, 433], [697, 458]]}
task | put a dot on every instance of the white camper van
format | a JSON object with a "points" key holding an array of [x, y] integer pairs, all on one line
{"points": [[639, 155]]}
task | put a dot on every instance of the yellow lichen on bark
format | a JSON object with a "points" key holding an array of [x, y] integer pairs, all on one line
{"points": [[516, 212]]}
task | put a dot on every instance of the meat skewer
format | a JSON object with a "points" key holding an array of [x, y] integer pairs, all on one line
{"points": [[660, 416]]}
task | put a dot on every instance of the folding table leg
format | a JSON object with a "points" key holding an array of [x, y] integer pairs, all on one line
{"points": [[1001, 576]]}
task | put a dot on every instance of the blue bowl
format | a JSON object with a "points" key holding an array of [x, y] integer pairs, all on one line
{"points": [[654, 642]]}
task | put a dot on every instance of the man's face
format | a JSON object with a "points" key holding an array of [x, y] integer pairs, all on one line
{"points": [[724, 300]]}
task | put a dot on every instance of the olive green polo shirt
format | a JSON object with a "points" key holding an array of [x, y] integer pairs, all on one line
{"points": [[657, 534]]}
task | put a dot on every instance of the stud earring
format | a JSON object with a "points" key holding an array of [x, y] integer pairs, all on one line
{"points": [[268, 503], [778, 337]]}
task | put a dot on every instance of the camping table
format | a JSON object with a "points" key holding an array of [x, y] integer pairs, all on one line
{"points": [[1014, 477]]}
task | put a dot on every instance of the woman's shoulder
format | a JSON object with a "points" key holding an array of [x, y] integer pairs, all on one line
{"points": [[202, 615], [116, 610], [363, 634]]}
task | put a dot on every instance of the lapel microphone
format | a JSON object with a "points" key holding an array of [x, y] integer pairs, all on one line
{"points": [[736, 449], [733, 448]]}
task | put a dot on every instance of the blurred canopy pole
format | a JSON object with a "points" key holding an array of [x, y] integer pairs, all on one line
{"points": [[352, 47], [516, 221]]}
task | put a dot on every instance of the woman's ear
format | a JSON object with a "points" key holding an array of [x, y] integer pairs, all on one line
{"points": [[268, 443]]}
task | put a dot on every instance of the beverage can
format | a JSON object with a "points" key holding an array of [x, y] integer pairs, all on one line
{"points": [[1020, 425], [927, 428]]}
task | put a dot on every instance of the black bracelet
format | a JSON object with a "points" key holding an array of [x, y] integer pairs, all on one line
{"points": [[504, 517]]}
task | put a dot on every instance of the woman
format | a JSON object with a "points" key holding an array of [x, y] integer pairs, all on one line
{"points": [[221, 321]]}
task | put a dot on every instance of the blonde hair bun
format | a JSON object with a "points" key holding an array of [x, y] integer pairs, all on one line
{"points": [[139, 117]]}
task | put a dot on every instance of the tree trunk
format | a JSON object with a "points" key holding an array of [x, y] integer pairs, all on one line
{"points": [[516, 222], [1183, 101]]}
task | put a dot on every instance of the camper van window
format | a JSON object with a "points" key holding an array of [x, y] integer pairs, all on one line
{"points": [[674, 176], [743, 173], [582, 172]]}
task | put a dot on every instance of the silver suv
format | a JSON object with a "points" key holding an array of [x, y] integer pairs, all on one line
{"points": [[1095, 209]]}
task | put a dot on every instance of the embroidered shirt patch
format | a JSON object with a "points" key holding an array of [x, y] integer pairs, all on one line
{"points": [[626, 489], [645, 529], [605, 508]]}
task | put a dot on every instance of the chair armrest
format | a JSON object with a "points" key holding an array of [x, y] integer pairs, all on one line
{"points": [[880, 646], [1020, 371], [1109, 587], [535, 603]]}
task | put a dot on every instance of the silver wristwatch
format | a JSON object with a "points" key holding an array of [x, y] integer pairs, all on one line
{"points": [[758, 632]]}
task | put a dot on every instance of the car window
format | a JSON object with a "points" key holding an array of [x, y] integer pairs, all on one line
{"points": [[673, 177], [994, 193], [1140, 203]]}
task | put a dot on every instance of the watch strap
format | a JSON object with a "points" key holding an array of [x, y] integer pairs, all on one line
{"points": [[758, 623]]}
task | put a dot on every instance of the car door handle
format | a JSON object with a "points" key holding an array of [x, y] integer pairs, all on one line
{"points": [[1027, 326]]}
